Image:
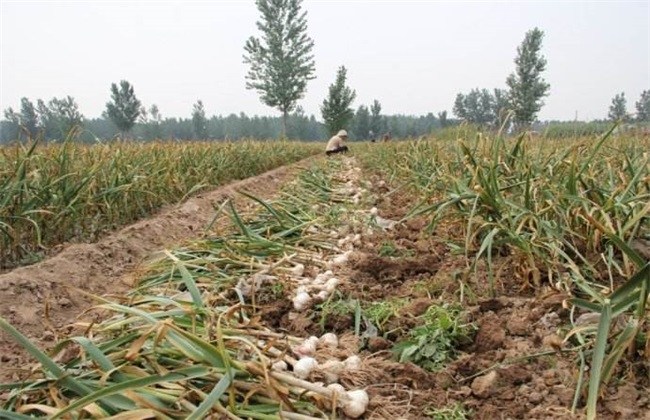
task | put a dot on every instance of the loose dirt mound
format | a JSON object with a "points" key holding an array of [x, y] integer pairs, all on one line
{"points": [[43, 300]]}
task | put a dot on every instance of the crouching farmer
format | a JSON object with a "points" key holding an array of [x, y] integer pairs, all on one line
{"points": [[337, 143]]}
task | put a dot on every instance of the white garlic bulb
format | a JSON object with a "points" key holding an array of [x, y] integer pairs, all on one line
{"points": [[331, 370], [304, 366], [298, 270], [338, 391], [279, 366], [329, 340], [353, 362], [356, 404], [331, 284], [301, 301]]}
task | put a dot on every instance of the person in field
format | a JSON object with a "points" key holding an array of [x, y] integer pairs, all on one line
{"points": [[337, 143]]}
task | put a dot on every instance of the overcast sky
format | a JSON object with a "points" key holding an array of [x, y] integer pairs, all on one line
{"points": [[413, 56]]}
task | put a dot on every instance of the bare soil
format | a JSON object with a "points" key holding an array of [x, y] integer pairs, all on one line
{"points": [[43, 300], [516, 367]]}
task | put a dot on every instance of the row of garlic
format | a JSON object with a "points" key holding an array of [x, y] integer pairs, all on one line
{"points": [[353, 403]]}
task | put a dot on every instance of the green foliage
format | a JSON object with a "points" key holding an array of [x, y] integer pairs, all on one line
{"points": [[335, 306], [124, 108], [55, 120], [501, 106], [379, 313], [336, 110], [434, 343], [10, 126], [281, 62], [361, 126], [618, 108], [199, 121], [51, 194], [478, 106], [151, 127], [453, 412], [60, 117], [442, 117], [28, 117], [643, 107], [572, 129], [376, 119], [526, 85], [388, 249]]}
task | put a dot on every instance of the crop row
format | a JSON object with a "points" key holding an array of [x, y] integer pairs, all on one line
{"points": [[50, 194]]}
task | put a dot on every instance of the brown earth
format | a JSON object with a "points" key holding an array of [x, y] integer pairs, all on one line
{"points": [[43, 300], [516, 367]]}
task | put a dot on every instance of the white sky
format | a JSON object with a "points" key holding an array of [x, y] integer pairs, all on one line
{"points": [[413, 56]]}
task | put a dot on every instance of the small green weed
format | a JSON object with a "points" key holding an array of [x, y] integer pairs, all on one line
{"points": [[379, 313], [452, 412], [389, 249], [336, 305], [278, 289], [434, 343]]}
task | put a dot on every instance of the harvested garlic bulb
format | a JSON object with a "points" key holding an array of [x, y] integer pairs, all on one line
{"points": [[307, 348], [329, 340], [301, 301], [353, 362], [279, 366], [304, 366], [356, 404]]}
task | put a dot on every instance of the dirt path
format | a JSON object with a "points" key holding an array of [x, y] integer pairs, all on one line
{"points": [[41, 300]]}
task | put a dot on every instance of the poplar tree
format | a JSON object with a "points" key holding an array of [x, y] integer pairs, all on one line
{"points": [[376, 119], [199, 121], [618, 108], [124, 108], [28, 117], [527, 88], [336, 110], [281, 61], [643, 107]]}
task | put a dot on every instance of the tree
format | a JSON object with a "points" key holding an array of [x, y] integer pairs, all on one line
{"points": [[46, 120], [124, 108], [336, 110], [643, 107], [361, 127], [65, 116], [442, 117], [477, 107], [376, 119], [153, 128], [501, 106], [526, 86], [28, 117], [281, 62], [459, 109], [618, 108], [11, 125], [199, 121]]}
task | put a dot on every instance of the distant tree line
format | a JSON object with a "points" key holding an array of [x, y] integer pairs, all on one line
{"points": [[58, 118]]}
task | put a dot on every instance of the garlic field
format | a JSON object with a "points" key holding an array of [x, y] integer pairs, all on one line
{"points": [[477, 278]]}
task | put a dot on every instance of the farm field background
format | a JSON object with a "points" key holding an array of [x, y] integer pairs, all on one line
{"points": [[463, 278], [53, 194]]}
